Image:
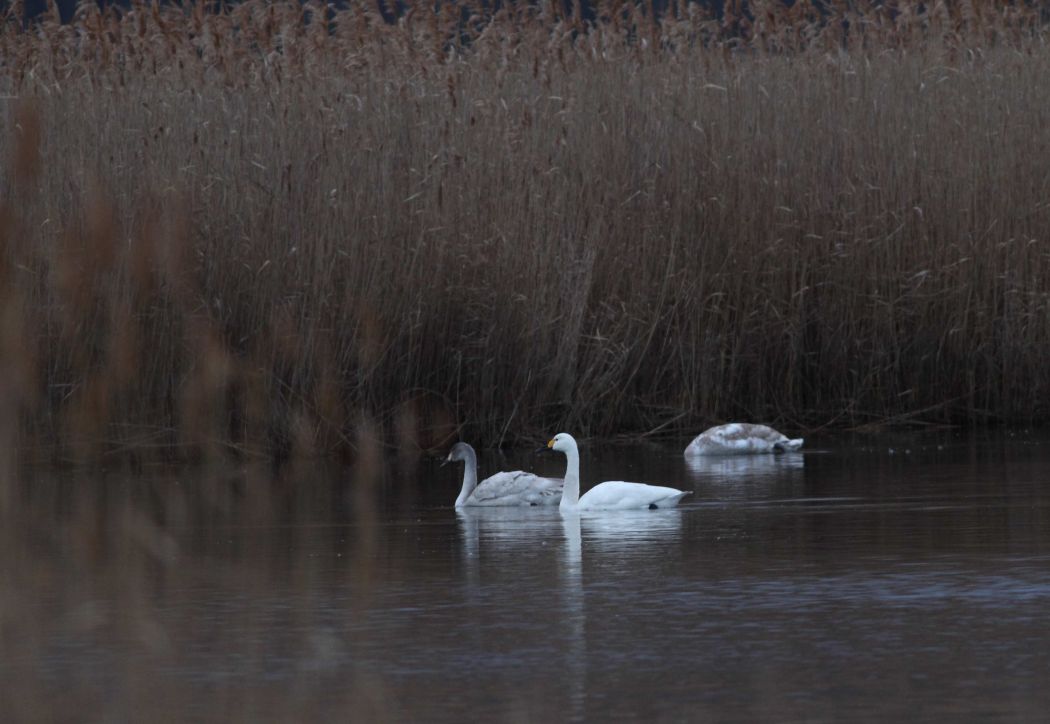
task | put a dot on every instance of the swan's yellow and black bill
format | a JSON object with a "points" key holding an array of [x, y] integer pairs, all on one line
{"points": [[550, 443]]}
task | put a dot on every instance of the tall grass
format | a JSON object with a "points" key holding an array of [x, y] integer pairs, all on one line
{"points": [[257, 228]]}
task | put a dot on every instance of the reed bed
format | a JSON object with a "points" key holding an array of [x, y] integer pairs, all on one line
{"points": [[274, 227]]}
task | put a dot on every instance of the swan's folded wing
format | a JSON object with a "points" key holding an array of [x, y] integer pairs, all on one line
{"points": [[518, 488], [549, 491]]}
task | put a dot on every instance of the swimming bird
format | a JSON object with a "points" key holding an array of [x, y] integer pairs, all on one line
{"points": [[739, 438], [508, 488], [612, 494]]}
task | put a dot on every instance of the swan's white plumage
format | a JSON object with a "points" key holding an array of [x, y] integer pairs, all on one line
{"points": [[741, 438], [620, 495], [612, 494], [517, 488]]}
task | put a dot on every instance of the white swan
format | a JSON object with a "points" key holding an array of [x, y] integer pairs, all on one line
{"points": [[513, 488], [612, 494], [739, 438]]}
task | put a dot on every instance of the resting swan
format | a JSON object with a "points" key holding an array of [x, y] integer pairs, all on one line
{"points": [[612, 494], [739, 438], [514, 488]]}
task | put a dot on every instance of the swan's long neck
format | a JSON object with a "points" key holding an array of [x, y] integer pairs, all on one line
{"points": [[470, 477], [571, 494]]}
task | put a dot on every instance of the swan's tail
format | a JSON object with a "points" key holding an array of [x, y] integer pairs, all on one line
{"points": [[789, 445], [674, 499]]}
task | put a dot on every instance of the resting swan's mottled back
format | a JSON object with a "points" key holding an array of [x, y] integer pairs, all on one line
{"points": [[612, 494], [516, 488], [741, 438]]}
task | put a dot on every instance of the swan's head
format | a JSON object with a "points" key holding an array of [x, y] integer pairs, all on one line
{"points": [[562, 442], [460, 452]]}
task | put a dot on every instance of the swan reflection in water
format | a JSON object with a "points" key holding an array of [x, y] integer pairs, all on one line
{"points": [[735, 476], [574, 616], [622, 538], [532, 538], [518, 530], [506, 529]]}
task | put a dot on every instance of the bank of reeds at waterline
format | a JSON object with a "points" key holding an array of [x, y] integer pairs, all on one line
{"points": [[260, 232]]}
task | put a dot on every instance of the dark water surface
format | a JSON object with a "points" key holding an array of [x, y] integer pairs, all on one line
{"points": [[875, 578]]}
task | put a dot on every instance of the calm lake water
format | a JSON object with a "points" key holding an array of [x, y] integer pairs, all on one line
{"points": [[871, 578]]}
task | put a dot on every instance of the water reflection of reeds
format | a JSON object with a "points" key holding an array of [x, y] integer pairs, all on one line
{"points": [[202, 593], [240, 592]]}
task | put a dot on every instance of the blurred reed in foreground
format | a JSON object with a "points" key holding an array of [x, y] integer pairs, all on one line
{"points": [[118, 591], [245, 231]]}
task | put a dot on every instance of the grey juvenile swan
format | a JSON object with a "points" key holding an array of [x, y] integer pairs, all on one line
{"points": [[516, 488], [741, 438]]}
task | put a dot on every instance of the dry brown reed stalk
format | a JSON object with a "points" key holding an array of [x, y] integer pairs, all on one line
{"points": [[642, 223]]}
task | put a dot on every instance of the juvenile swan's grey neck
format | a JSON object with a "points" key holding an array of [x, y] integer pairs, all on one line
{"points": [[571, 494], [470, 472]]}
